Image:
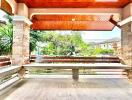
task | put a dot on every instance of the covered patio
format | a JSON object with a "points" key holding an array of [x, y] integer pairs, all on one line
{"points": [[87, 15]]}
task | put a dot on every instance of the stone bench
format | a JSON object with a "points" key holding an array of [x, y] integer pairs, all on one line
{"points": [[76, 66]]}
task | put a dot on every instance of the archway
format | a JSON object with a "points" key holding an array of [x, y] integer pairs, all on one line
{"points": [[26, 9], [6, 7]]}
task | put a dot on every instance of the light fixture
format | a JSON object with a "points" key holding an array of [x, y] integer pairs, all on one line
{"points": [[73, 19]]}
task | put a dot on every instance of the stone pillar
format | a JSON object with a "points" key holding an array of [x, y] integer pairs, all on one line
{"points": [[127, 45], [20, 48], [126, 37], [75, 74]]}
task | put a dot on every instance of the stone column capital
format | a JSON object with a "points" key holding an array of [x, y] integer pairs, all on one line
{"points": [[17, 18]]}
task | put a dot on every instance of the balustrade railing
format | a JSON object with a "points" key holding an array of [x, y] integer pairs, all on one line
{"points": [[8, 73], [71, 59]]}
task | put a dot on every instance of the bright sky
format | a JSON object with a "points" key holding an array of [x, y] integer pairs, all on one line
{"points": [[89, 36], [97, 36], [2, 13]]}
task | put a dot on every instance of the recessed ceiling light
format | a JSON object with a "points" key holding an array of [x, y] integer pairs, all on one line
{"points": [[73, 19]]}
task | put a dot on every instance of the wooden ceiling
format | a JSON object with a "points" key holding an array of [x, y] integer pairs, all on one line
{"points": [[71, 22], [75, 3]]}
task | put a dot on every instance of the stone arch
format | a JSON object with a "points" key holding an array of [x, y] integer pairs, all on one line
{"points": [[6, 7]]}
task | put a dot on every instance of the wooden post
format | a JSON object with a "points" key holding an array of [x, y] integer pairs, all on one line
{"points": [[75, 74]]}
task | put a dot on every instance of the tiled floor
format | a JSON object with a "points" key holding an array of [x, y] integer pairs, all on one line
{"points": [[67, 89]]}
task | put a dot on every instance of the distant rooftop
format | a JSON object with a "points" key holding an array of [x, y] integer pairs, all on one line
{"points": [[116, 39], [112, 40]]}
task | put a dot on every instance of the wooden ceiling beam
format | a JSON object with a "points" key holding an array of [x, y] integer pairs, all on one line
{"points": [[73, 25], [74, 11], [55, 17]]}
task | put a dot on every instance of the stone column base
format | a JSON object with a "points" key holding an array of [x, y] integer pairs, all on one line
{"points": [[75, 74], [129, 74], [21, 73]]}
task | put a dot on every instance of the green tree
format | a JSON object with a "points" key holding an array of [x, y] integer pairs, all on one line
{"points": [[64, 44], [35, 36], [68, 44], [6, 37], [100, 51], [107, 51]]}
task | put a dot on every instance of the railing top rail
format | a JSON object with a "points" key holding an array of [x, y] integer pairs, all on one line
{"points": [[4, 61], [74, 57]]}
